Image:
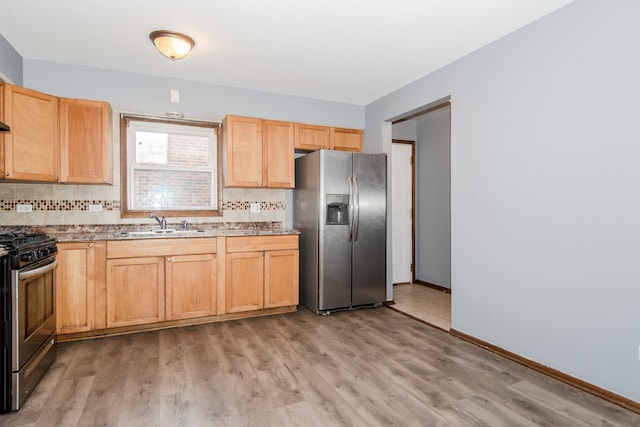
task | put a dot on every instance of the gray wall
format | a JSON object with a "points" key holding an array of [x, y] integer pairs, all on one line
{"points": [[149, 94], [10, 63], [404, 130], [544, 194], [433, 220]]}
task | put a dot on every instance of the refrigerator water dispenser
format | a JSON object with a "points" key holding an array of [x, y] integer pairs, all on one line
{"points": [[337, 209]]}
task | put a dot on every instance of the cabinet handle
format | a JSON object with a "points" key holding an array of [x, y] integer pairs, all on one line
{"points": [[55, 178], [168, 259], [6, 174], [90, 245]]}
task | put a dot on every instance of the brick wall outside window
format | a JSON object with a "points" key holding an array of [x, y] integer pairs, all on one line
{"points": [[181, 177]]}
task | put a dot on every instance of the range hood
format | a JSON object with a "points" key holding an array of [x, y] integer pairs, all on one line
{"points": [[3, 127]]}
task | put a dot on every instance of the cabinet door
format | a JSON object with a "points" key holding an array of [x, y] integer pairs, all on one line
{"points": [[278, 153], [191, 286], [75, 286], [135, 291], [31, 148], [311, 137], [281, 278], [243, 156], [244, 275], [85, 141], [346, 139]]}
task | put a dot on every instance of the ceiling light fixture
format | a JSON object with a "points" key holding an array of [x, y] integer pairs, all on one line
{"points": [[171, 44]]}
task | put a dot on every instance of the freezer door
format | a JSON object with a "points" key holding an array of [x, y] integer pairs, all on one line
{"points": [[335, 248], [369, 246], [306, 217]]}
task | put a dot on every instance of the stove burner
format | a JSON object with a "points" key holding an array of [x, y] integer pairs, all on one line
{"points": [[27, 248]]}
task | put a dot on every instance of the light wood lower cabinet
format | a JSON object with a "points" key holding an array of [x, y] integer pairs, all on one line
{"points": [[102, 286], [245, 282], [190, 286], [281, 278], [261, 272], [173, 279], [135, 291], [79, 276]]}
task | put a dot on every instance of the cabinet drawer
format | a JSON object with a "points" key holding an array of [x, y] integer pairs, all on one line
{"points": [[261, 243], [160, 247]]}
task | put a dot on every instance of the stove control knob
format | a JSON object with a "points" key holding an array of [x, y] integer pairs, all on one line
{"points": [[28, 256]]}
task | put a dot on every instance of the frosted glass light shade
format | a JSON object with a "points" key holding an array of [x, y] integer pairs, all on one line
{"points": [[172, 45]]}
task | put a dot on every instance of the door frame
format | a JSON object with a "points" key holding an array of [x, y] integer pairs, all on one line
{"points": [[413, 204]]}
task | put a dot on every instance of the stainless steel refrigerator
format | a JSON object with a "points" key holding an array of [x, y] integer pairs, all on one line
{"points": [[340, 208]]}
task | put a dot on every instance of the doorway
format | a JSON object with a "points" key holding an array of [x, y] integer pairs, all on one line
{"points": [[427, 296]]}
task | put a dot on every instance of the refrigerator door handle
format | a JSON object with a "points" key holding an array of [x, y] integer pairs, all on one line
{"points": [[351, 211], [356, 209]]}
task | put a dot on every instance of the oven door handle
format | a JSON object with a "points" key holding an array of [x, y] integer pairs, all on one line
{"points": [[26, 275]]}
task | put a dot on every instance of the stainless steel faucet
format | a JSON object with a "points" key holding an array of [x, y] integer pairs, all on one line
{"points": [[162, 221]]}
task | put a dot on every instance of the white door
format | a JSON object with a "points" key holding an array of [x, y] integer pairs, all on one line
{"points": [[402, 205]]}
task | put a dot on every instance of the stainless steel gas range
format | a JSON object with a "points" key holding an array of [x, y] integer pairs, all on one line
{"points": [[27, 306]]}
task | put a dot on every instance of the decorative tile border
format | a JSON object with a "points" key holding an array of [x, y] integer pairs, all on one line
{"points": [[114, 205], [245, 206], [60, 205]]}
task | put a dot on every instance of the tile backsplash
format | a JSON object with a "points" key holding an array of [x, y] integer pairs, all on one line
{"points": [[70, 204]]}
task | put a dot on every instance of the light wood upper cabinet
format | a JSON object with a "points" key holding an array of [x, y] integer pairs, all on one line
{"points": [[85, 141], [31, 148], [190, 286], [76, 278], [346, 139], [278, 154], [312, 137], [242, 139], [55, 139], [258, 153]]}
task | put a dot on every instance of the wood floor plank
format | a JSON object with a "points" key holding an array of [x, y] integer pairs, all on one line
{"points": [[372, 367]]}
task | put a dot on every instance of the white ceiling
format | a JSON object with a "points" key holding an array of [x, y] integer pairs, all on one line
{"points": [[352, 51]]}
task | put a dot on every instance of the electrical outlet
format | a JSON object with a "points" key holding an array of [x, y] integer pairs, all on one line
{"points": [[95, 208], [175, 96], [255, 207], [24, 208]]}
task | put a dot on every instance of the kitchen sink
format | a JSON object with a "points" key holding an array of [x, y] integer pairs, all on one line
{"points": [[163, 232]]}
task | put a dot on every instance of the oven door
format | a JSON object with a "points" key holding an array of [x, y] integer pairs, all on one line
{"points": [[34, 310]]}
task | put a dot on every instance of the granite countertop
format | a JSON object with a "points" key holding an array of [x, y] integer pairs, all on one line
{"points": [[158, 234], [81, 233]]}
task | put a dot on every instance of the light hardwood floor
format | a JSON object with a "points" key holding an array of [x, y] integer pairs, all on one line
{"points": [[370, 367]]}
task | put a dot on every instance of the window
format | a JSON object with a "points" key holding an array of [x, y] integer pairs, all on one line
{"points": [[169, 167]]}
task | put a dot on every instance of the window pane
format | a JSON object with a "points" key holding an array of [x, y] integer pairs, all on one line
{"points": [[151, 148], [172, 150], [159, 189]]}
